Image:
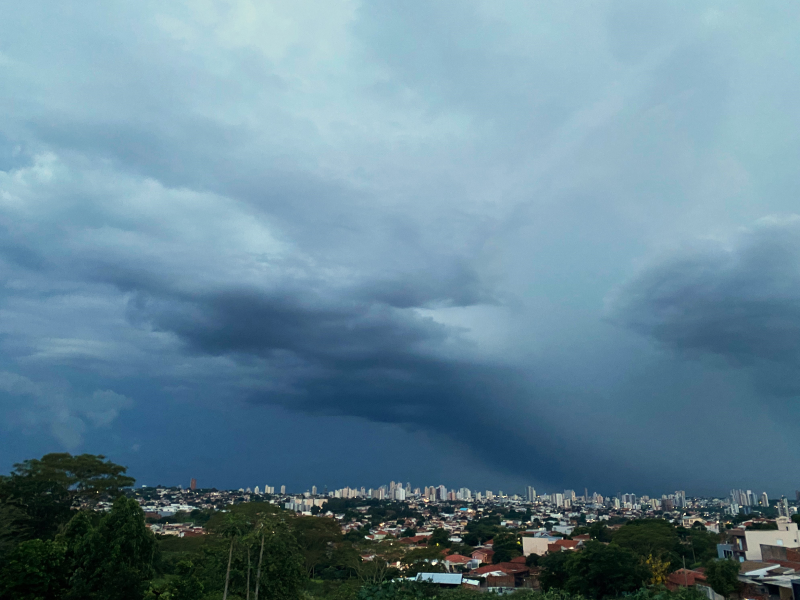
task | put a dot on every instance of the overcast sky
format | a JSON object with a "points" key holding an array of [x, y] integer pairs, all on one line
{"points": [[485, 244]]}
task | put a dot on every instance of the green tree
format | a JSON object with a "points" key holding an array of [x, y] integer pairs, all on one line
{"points": [[114, 560], [34, 570], [605, 571], [400, 590], [650, 537], [439, 537], [283, 573], [315, 537], [232, 527], [698, 545], [554, 573], [31, 508], [422, 560], [185, 585], [506, 546], [88, 477], [723, 576]]}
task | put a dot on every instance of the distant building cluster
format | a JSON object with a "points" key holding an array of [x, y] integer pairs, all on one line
{"points": [[767, 548]]}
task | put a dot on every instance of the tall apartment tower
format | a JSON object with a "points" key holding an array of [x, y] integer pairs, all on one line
{"points": [[764, 499], [531, 494], [283, 490], [441, 493], [193, 484], [783, 507]]}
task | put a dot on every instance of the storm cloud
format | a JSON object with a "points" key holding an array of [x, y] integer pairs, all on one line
{"points": [[476, 243], [737, 298]]}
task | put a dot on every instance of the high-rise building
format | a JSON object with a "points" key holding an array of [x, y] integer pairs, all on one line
{"points": [[783, 507], [193, 484], [283, 490], [257, 491], [531, 495], [558, 500], [764, 499], [441, 493], [313, 490]]}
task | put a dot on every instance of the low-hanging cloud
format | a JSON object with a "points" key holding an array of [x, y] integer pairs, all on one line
{"points": [[737, 298], [64, 413]]}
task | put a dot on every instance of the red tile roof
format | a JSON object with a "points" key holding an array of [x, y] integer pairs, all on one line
{"points": [[457, 558], [683, 578]]}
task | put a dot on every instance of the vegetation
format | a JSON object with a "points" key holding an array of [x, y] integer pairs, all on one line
{"points": [[55, 544], [722, 576]]}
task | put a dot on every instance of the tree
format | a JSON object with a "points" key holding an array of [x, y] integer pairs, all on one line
{"points": [[423, 560], [186, 585], [439, 537], [87, 477], [646, 537], [605, 571], [600, 532], [399, 590], [31, 508], [698, 545], [554, 574], [659, 569], [283, 572], [506, 546], [114, 560], [315, 537], [34, 570], [233, 527], [723, 576]]}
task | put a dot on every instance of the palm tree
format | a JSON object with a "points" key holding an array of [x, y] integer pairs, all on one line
{"points": [[233, 527], [258, 570], [263, 525]]}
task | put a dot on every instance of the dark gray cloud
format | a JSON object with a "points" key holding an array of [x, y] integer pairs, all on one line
{"points": [[402, 218], [738, 298]]}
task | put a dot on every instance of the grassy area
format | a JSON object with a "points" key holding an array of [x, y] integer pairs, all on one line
{"points": [[170, 544]]}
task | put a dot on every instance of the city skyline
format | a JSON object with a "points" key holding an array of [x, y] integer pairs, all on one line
{"points": [[738, 496]]}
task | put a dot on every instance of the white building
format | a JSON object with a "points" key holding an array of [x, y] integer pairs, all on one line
{"points": [[786, 535]]}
